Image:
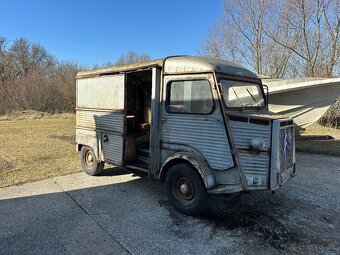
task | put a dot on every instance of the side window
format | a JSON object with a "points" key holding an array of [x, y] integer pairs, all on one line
{"points": [[192, 96]]}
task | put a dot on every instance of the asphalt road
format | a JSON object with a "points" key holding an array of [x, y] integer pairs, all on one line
{"points": [[119, 213]]}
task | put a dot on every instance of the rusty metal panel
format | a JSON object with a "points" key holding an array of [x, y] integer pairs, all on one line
{"points": [[255, 166], [199, 64], [242, 132], [88, 138], [100, 116], [177, 65], [100, 120], [93, 126], [112, 148], [206, 134], [104, 92]]}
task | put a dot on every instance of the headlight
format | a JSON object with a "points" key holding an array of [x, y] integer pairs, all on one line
{"points": [[257, 143]]}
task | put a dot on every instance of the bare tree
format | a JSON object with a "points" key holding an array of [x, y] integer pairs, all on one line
{"points": [[131, 57], [7, 61], [315, 27], [30, 78], [31, 92], [279, 38], [63, 78], [240, 36], [30, 57]]}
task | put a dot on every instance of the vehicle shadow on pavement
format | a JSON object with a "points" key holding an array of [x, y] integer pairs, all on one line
{"points": [[135, 213]]}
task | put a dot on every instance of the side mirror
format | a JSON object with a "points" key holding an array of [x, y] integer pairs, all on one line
{"points": [[266, 92]]}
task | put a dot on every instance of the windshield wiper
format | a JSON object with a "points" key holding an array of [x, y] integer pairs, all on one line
{"points": [[237, 97], [253, 97]]}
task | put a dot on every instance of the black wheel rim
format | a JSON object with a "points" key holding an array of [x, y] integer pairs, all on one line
{"points": [[184, 190]]}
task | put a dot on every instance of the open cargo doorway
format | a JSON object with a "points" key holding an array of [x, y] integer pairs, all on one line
{"points": [[138, 120]]}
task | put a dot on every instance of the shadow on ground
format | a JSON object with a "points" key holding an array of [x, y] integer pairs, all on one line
{"points": [[136, 214]]}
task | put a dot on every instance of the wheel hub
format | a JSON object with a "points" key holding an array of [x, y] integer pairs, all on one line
{"points": [[89, 158], [184, 188]]}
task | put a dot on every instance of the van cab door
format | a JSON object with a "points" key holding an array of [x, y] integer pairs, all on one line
{"points": [[192, 121]]}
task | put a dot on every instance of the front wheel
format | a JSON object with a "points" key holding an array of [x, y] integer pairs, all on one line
{"points": [[89, 161], [185, 189]]}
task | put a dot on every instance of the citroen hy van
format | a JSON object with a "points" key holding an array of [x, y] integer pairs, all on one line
{"points": [[198, 124]]}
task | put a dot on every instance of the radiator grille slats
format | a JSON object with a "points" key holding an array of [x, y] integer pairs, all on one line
{"points": [[286, 148]]}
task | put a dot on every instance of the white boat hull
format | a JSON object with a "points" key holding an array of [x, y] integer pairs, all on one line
{"points": [[306, 102]]}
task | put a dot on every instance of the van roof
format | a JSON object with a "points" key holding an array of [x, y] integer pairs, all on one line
{"points": [[177, 65]]}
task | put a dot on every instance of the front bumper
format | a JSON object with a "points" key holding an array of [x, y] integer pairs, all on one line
{"points": [[287, 174]]}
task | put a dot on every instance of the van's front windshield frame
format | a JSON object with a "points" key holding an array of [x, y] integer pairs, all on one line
{"points": [[253, 103]]}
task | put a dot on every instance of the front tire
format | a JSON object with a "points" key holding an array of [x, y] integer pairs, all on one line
{"points": [[89, 161], [185, 189]]}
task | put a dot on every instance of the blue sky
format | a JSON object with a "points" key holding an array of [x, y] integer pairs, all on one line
{"points": [[95, 32]]}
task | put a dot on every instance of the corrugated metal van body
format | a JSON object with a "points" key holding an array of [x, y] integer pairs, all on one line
{"points": [[205, 133], [100, 116], [109, 121], [253, 165]]}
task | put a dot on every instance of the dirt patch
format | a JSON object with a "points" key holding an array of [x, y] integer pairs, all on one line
{"points": [[6, 164], [71, 138]]}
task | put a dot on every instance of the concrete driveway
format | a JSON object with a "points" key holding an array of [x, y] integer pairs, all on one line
{"points": [[119, 213]]}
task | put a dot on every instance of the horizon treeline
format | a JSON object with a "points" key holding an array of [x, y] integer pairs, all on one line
{"points": [[32, 79]]}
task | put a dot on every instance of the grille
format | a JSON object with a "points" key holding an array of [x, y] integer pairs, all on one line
{"points": [[286, 148]]}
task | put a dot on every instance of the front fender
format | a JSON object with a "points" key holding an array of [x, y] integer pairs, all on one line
{"points": [[197, 162]]}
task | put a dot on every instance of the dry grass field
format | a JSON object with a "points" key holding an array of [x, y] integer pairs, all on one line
{"points": [[35, 146], [34, 149]]}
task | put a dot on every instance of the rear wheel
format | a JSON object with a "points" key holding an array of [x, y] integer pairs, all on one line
{"points": [[89, 161], [185, 189]]}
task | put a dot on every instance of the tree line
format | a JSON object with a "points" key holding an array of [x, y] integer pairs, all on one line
{"points": [[279, 38], [32, 79]]}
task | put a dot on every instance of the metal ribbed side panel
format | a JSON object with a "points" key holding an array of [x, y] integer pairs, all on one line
{"points": [[244, 131], [255, 166], [205, 134], [113, 149], [100, 120]]}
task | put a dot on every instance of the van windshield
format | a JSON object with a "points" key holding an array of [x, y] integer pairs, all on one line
{"points": [[240, 94]]}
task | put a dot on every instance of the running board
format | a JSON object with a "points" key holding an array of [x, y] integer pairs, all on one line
{"points": [[137, 168]]}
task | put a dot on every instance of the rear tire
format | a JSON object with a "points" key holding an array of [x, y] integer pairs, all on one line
{"points": [[185, 189], [89, 161]]}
